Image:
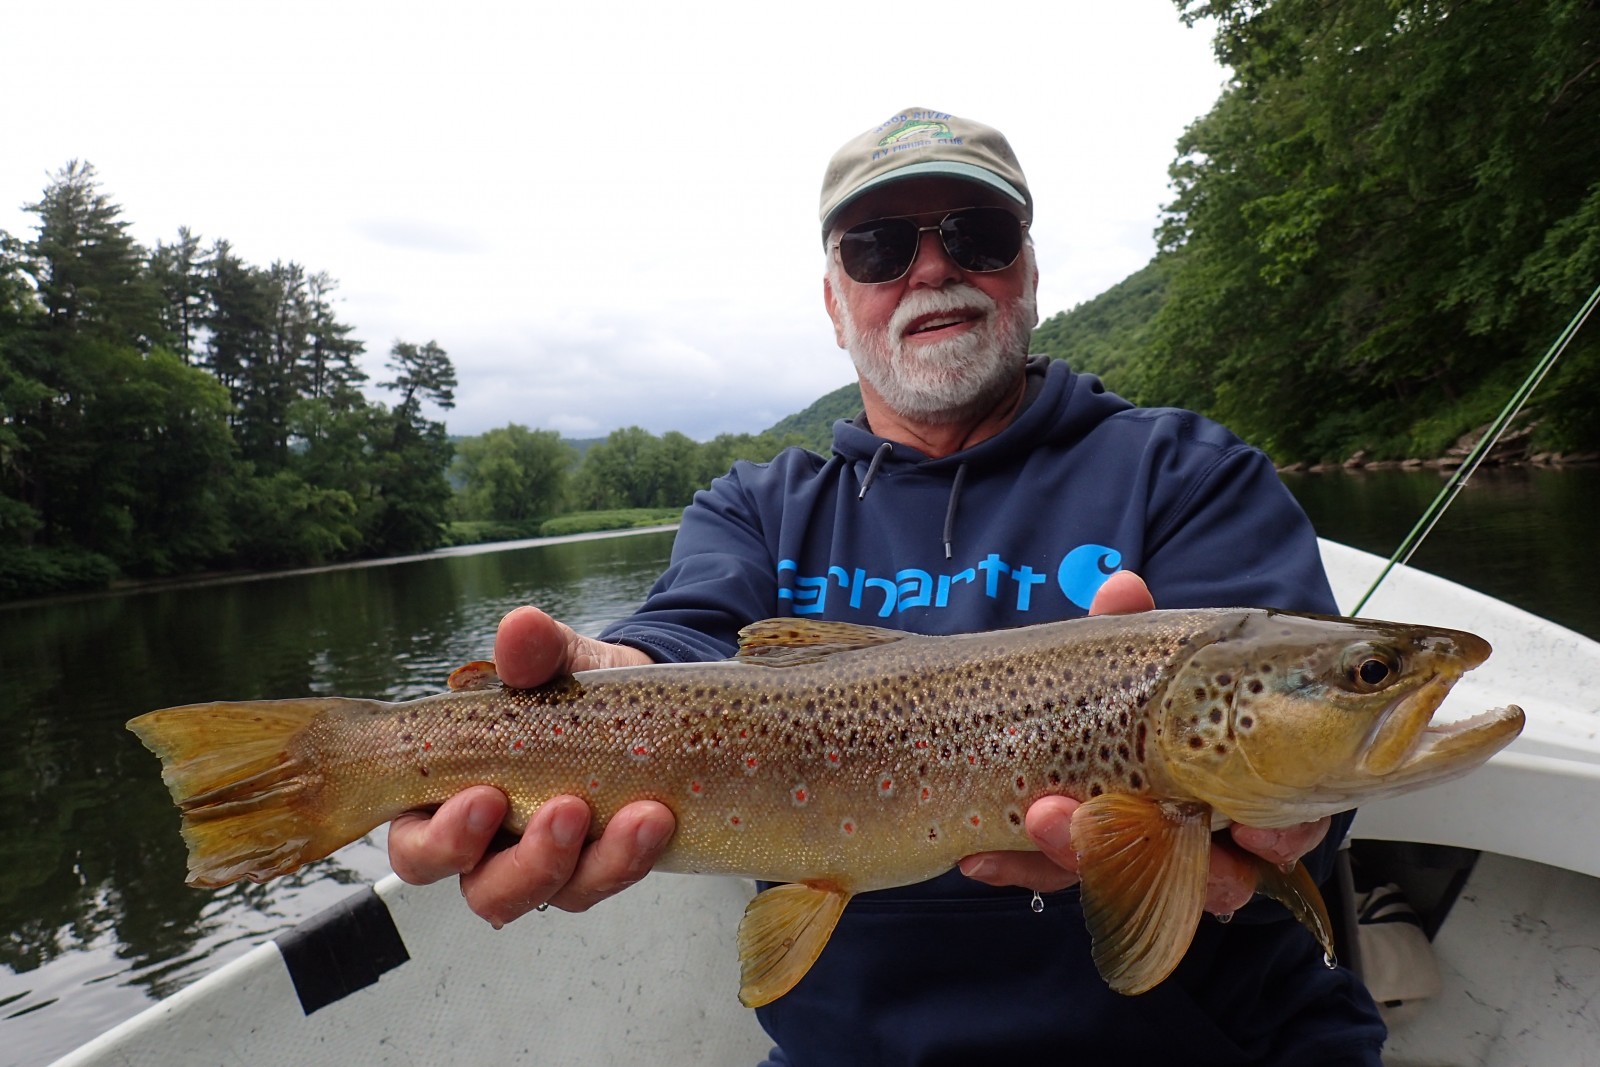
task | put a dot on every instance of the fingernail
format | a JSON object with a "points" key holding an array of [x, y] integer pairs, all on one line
{"points": [[567, 826], [650, 836], [480, 820], [1055, 834], [978, 868]]}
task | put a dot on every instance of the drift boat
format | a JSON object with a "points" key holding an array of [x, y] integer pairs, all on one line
{"points": [[404, 974]]}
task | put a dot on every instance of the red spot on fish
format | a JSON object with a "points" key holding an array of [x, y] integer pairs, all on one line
{"points": [[750, 764], [927, 794], [972, 760], [736, 821], [696, 788], [886, 787], [640, 751], [556, 730], [975, 819], [516, 746], [594, 785], [427, 746], [848, 828], [800, 795], [833, 757], [922, 744]]}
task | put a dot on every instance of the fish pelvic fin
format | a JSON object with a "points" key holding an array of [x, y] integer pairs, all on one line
{"points": [[1143, 864], [1295, 890], [240, 775], [795, 642], [781, 935]]}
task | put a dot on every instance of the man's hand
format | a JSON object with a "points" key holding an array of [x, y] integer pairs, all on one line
{"points": [[1231, 882], [550, 864]]}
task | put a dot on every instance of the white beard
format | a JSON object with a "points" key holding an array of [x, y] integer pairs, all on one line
{"points": [[950, 380]]}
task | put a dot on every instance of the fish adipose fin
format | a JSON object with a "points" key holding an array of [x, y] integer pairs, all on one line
{"points": [[781, 935], [234, 771], [794, 642], [479, 674], [1143, 864], [1296, 890]]}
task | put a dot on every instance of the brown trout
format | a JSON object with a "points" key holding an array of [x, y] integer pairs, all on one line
{"points": [[840, 758]]}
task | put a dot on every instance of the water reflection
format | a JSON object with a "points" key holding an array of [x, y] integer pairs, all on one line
{"points": [[96, 918], [1524, 534]]}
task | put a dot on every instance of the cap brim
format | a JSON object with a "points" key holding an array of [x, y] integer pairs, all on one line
{"points": [[936, 168]]}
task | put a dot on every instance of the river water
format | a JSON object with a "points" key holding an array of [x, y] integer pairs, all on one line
{"points": [[97, 921]]}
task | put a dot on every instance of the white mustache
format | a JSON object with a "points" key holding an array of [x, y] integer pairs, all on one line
{"points": [[951, 298]]}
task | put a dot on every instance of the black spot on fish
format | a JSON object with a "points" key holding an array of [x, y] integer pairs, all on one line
{"points": [[1196, 741], [1246, 721], [1256, 686], [1136, 780], [1216, 715]]}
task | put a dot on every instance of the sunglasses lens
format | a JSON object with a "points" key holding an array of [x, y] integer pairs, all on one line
{"points": [[878, 251], [976, 239], [982, 238]]}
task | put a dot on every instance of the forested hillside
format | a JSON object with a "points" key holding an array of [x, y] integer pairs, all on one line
{"points": [[1383, 223]]}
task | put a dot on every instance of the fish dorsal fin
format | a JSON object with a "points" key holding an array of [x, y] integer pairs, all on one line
{"points": [[1143, 864], [1296, 890], [479, 674], [781, 935], [792, 642]]}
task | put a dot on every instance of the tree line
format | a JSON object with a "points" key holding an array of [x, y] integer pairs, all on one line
{"points": [[179, 409], [1389, 214]]}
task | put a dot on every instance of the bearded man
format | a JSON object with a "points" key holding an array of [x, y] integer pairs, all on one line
{"points": [[979, 488]]}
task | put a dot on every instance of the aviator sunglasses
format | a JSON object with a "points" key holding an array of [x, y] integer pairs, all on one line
{"points": [[978, 239]]}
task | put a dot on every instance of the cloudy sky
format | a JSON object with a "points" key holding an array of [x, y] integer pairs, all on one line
{"points": [[604, 212]]}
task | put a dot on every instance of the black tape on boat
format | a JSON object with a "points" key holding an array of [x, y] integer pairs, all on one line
{"points": [[342, 949]]}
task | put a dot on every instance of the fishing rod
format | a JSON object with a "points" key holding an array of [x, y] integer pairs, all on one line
{"points": [[1480, 451]]}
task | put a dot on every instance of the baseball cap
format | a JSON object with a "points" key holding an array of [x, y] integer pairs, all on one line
{"points": [[918, 142]]}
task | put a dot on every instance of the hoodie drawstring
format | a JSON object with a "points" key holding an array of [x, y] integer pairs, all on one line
{"points": [[950, 511], [872, 468]]}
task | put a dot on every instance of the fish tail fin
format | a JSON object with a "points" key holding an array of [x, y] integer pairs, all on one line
{"points": [[244, 777]]}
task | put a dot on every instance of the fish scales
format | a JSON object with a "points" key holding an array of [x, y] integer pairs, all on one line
{"points": [[882, 759], [840, 758]]}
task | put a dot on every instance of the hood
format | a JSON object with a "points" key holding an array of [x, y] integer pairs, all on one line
{"points": [[1061, 406]]}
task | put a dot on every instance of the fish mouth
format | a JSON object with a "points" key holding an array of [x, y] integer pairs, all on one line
{"points": [[1408, 746]]}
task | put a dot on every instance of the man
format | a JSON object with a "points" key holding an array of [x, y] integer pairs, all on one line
{"points": [[978, 489]]}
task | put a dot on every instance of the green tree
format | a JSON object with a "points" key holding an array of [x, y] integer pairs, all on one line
{"points": [[410, 497], [1389, 212], [513, 474]]}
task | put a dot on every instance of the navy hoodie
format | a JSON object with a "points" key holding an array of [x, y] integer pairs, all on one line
{"points": [[1019, 529]]}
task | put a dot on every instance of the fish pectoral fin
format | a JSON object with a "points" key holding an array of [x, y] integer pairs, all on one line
{"points": [[1296, 890], [1143, 864], [479, 674], [793, 642], [781, 935]]}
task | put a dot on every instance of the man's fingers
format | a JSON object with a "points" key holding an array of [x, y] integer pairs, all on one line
{"points": [[1054, 866], [425, 848], [630, 846], [510, 883], [1122, 594], [530, 648], [1283, 845]]}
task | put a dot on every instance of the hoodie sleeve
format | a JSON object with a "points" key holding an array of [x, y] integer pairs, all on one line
{"points": [[721, 578]]}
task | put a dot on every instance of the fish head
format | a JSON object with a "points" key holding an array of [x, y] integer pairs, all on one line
{"points": [[1277, 718]]}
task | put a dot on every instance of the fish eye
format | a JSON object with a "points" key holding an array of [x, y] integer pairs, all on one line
{"points": [[1371, 669]]}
